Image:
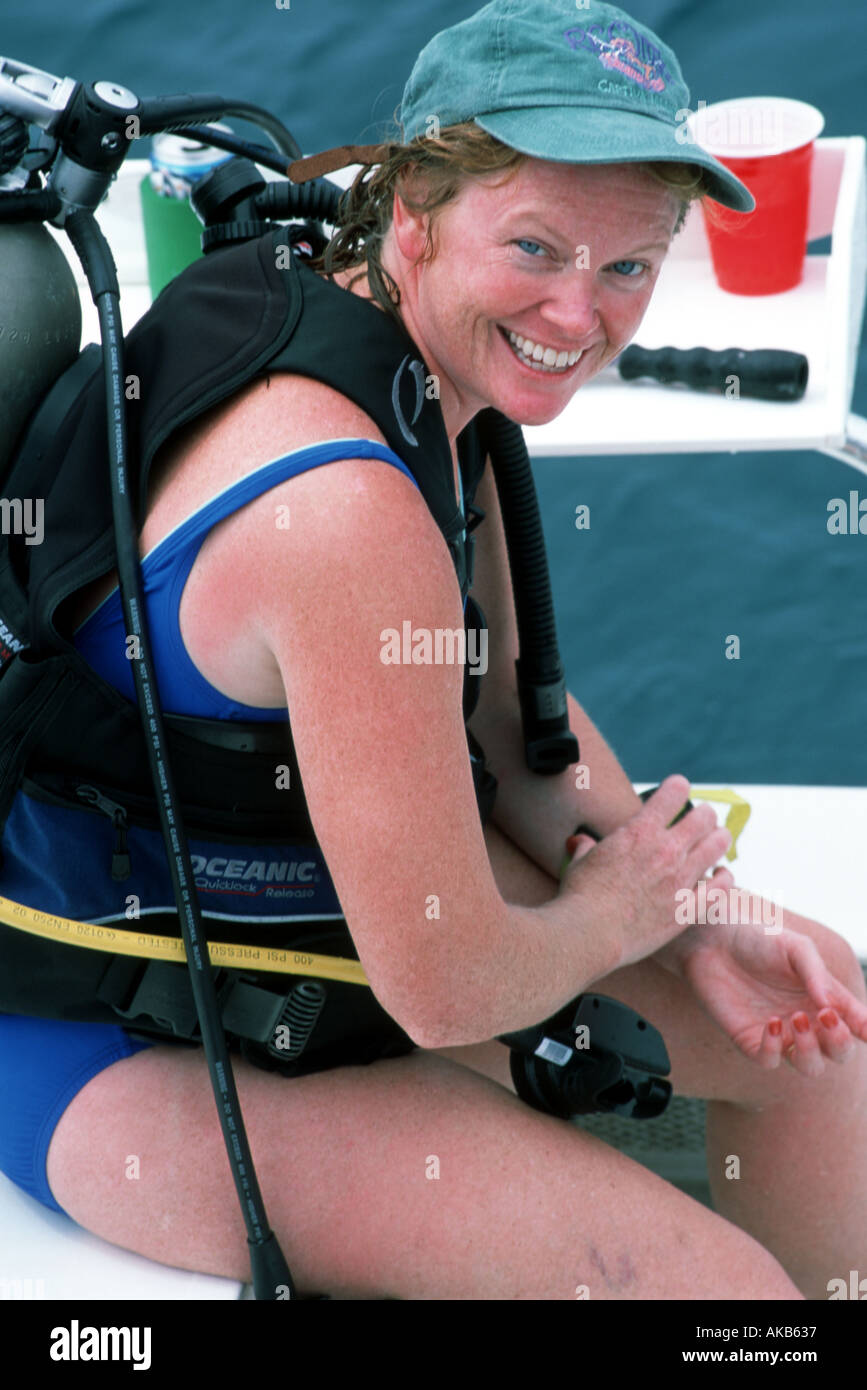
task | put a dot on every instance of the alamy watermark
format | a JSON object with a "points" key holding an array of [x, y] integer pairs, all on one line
{"points": [[847, 521], [77, 1343], [439, 646], [23, 516], [855, 1288], [742, 127], [22, 1289], [710, 905]]}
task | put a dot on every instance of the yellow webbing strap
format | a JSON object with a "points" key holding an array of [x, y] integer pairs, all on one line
{"points": [[735, 820], [222, 953], [737, 816]]}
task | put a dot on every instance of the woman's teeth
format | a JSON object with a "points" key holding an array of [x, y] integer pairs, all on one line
{"points": [[541, 358]]}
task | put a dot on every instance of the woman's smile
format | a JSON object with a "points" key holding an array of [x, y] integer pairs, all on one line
{"points": [[538, 358]]}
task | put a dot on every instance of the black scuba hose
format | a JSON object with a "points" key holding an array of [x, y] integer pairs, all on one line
{"points": [[179, 112], [269, 1268], [525, 542], [29, 205], [235, 144], [317, 199], [550, 746]]}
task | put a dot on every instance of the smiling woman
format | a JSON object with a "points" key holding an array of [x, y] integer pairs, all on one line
{"points": [[507, 256]]}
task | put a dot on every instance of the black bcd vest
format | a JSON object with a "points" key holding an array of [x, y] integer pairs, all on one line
{"points": [[238, 314]]}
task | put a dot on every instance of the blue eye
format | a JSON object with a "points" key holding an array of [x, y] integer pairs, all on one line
{"points": [[528, 241], [639, 265]]}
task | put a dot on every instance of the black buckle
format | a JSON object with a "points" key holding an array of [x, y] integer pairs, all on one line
{"points": [[160, 991], [155, 990], [621, 1071]]}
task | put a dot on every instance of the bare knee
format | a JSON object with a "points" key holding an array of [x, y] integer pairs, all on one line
{"points": [[412, 1177]]}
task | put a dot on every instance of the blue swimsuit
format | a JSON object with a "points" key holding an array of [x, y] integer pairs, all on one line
{"points": [[44, 1063]]}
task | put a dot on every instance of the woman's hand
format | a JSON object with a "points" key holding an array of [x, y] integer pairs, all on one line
{"points": [[774, 996], [630, 879]]}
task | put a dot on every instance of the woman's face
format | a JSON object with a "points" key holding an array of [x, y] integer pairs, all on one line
{"points": [[564, 255]]}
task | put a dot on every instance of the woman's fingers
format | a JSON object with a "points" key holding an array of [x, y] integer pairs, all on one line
{"points": [[834, 1036], [801, 1042], [807, 963], [852, 1012], [668, 800], [770, 1051], [803, 1051], [579, 845], [826, 992], [705, 852]]}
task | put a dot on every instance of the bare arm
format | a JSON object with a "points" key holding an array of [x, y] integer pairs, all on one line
{"points": [[382, 752], [383, 755], [539, 813]]}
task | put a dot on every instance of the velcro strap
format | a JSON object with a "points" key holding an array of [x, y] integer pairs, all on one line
{"points": [[313, 165]]}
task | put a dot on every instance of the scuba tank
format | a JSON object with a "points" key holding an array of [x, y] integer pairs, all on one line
{"points": [[40, 311], [40, 326]]}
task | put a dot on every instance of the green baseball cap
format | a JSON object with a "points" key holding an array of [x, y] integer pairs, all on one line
{"points": [[579, 84]]}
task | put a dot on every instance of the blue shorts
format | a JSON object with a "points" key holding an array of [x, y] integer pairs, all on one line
{"points": [[44, 1063]]}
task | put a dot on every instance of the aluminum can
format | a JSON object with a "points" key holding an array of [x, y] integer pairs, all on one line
{"points": [[177, 163]]}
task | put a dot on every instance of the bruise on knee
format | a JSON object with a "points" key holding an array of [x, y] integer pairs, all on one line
{"points": [[619, 1273]]}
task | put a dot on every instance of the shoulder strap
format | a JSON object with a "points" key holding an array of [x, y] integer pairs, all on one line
{"points": [[349, 343]]}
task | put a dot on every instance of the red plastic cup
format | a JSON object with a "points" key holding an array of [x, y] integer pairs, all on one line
{"points": [[767, 142]]}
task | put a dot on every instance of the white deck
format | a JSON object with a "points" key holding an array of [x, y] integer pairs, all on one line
{"points": [[45, 1255]]}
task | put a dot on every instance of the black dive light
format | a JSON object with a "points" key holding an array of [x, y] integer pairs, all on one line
{"points": [[770, 374]]}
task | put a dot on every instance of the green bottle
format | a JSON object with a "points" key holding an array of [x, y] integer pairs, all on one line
{"points": [[173, 232]]}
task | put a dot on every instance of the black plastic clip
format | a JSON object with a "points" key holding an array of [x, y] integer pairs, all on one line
{"points": [[595, 1056]]}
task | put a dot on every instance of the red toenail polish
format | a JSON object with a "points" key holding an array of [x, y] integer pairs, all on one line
{"points": [[775, 1027], [802, 1023], [829, 1019]]}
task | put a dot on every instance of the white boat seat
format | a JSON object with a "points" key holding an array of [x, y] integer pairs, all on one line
{"points": [[45, 1254]]}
